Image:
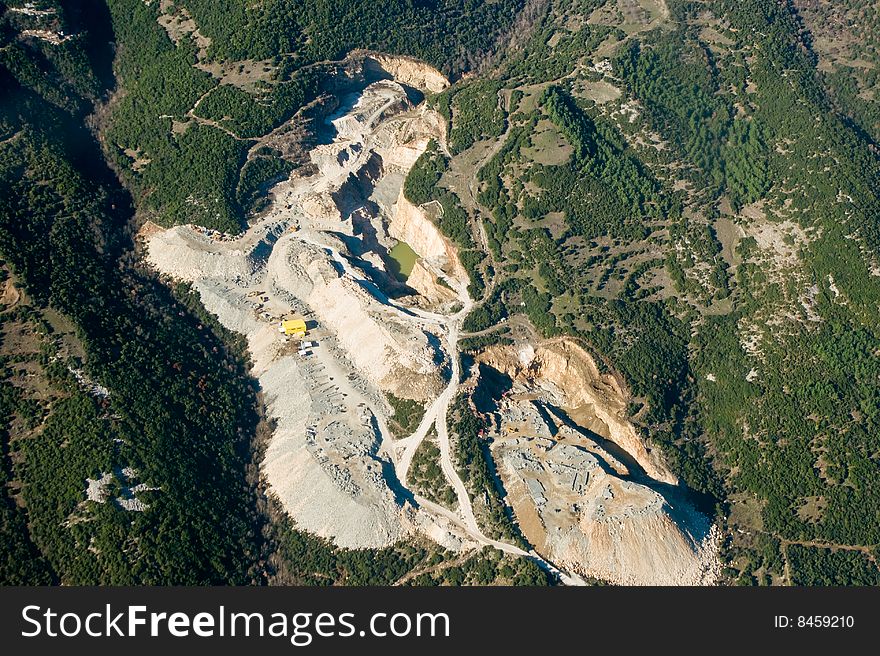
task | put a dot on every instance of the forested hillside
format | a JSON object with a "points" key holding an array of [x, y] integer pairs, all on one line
{"points": [[692, 191], [180, 418]]}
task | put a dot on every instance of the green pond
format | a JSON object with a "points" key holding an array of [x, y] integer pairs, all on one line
{"points": [[403, 258]]}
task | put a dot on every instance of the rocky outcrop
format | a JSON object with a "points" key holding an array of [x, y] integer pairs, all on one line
{"points": [[627, 534], [571, 377], [583, 503], [411, 72], [582, 516], [425, 283]]}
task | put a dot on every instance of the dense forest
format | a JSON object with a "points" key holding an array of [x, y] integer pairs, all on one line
{"points": [[181, 415]]}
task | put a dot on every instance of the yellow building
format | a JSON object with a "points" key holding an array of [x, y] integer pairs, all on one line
{"points": [[293, 327]]}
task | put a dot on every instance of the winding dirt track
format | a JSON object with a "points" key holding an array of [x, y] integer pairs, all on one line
{"points": [[402, 451]]}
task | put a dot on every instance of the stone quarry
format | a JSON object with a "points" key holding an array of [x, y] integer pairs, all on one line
{"points": [[588, 492]]}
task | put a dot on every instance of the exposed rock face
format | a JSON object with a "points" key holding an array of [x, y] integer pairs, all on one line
{"points": [[600, 508], [392, 354], [362, 172], [425, 283], [409, 224], [570, 376], [629, 534], [337, 494], [408, 71], [186, 255], [322, 211], [581, 515]]}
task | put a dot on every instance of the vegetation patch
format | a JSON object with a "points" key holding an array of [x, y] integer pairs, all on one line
{"points": [[426, 476], [407, 415]]}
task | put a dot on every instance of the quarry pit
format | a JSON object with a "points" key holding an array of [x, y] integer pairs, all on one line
{"points": [[587, 493]]}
